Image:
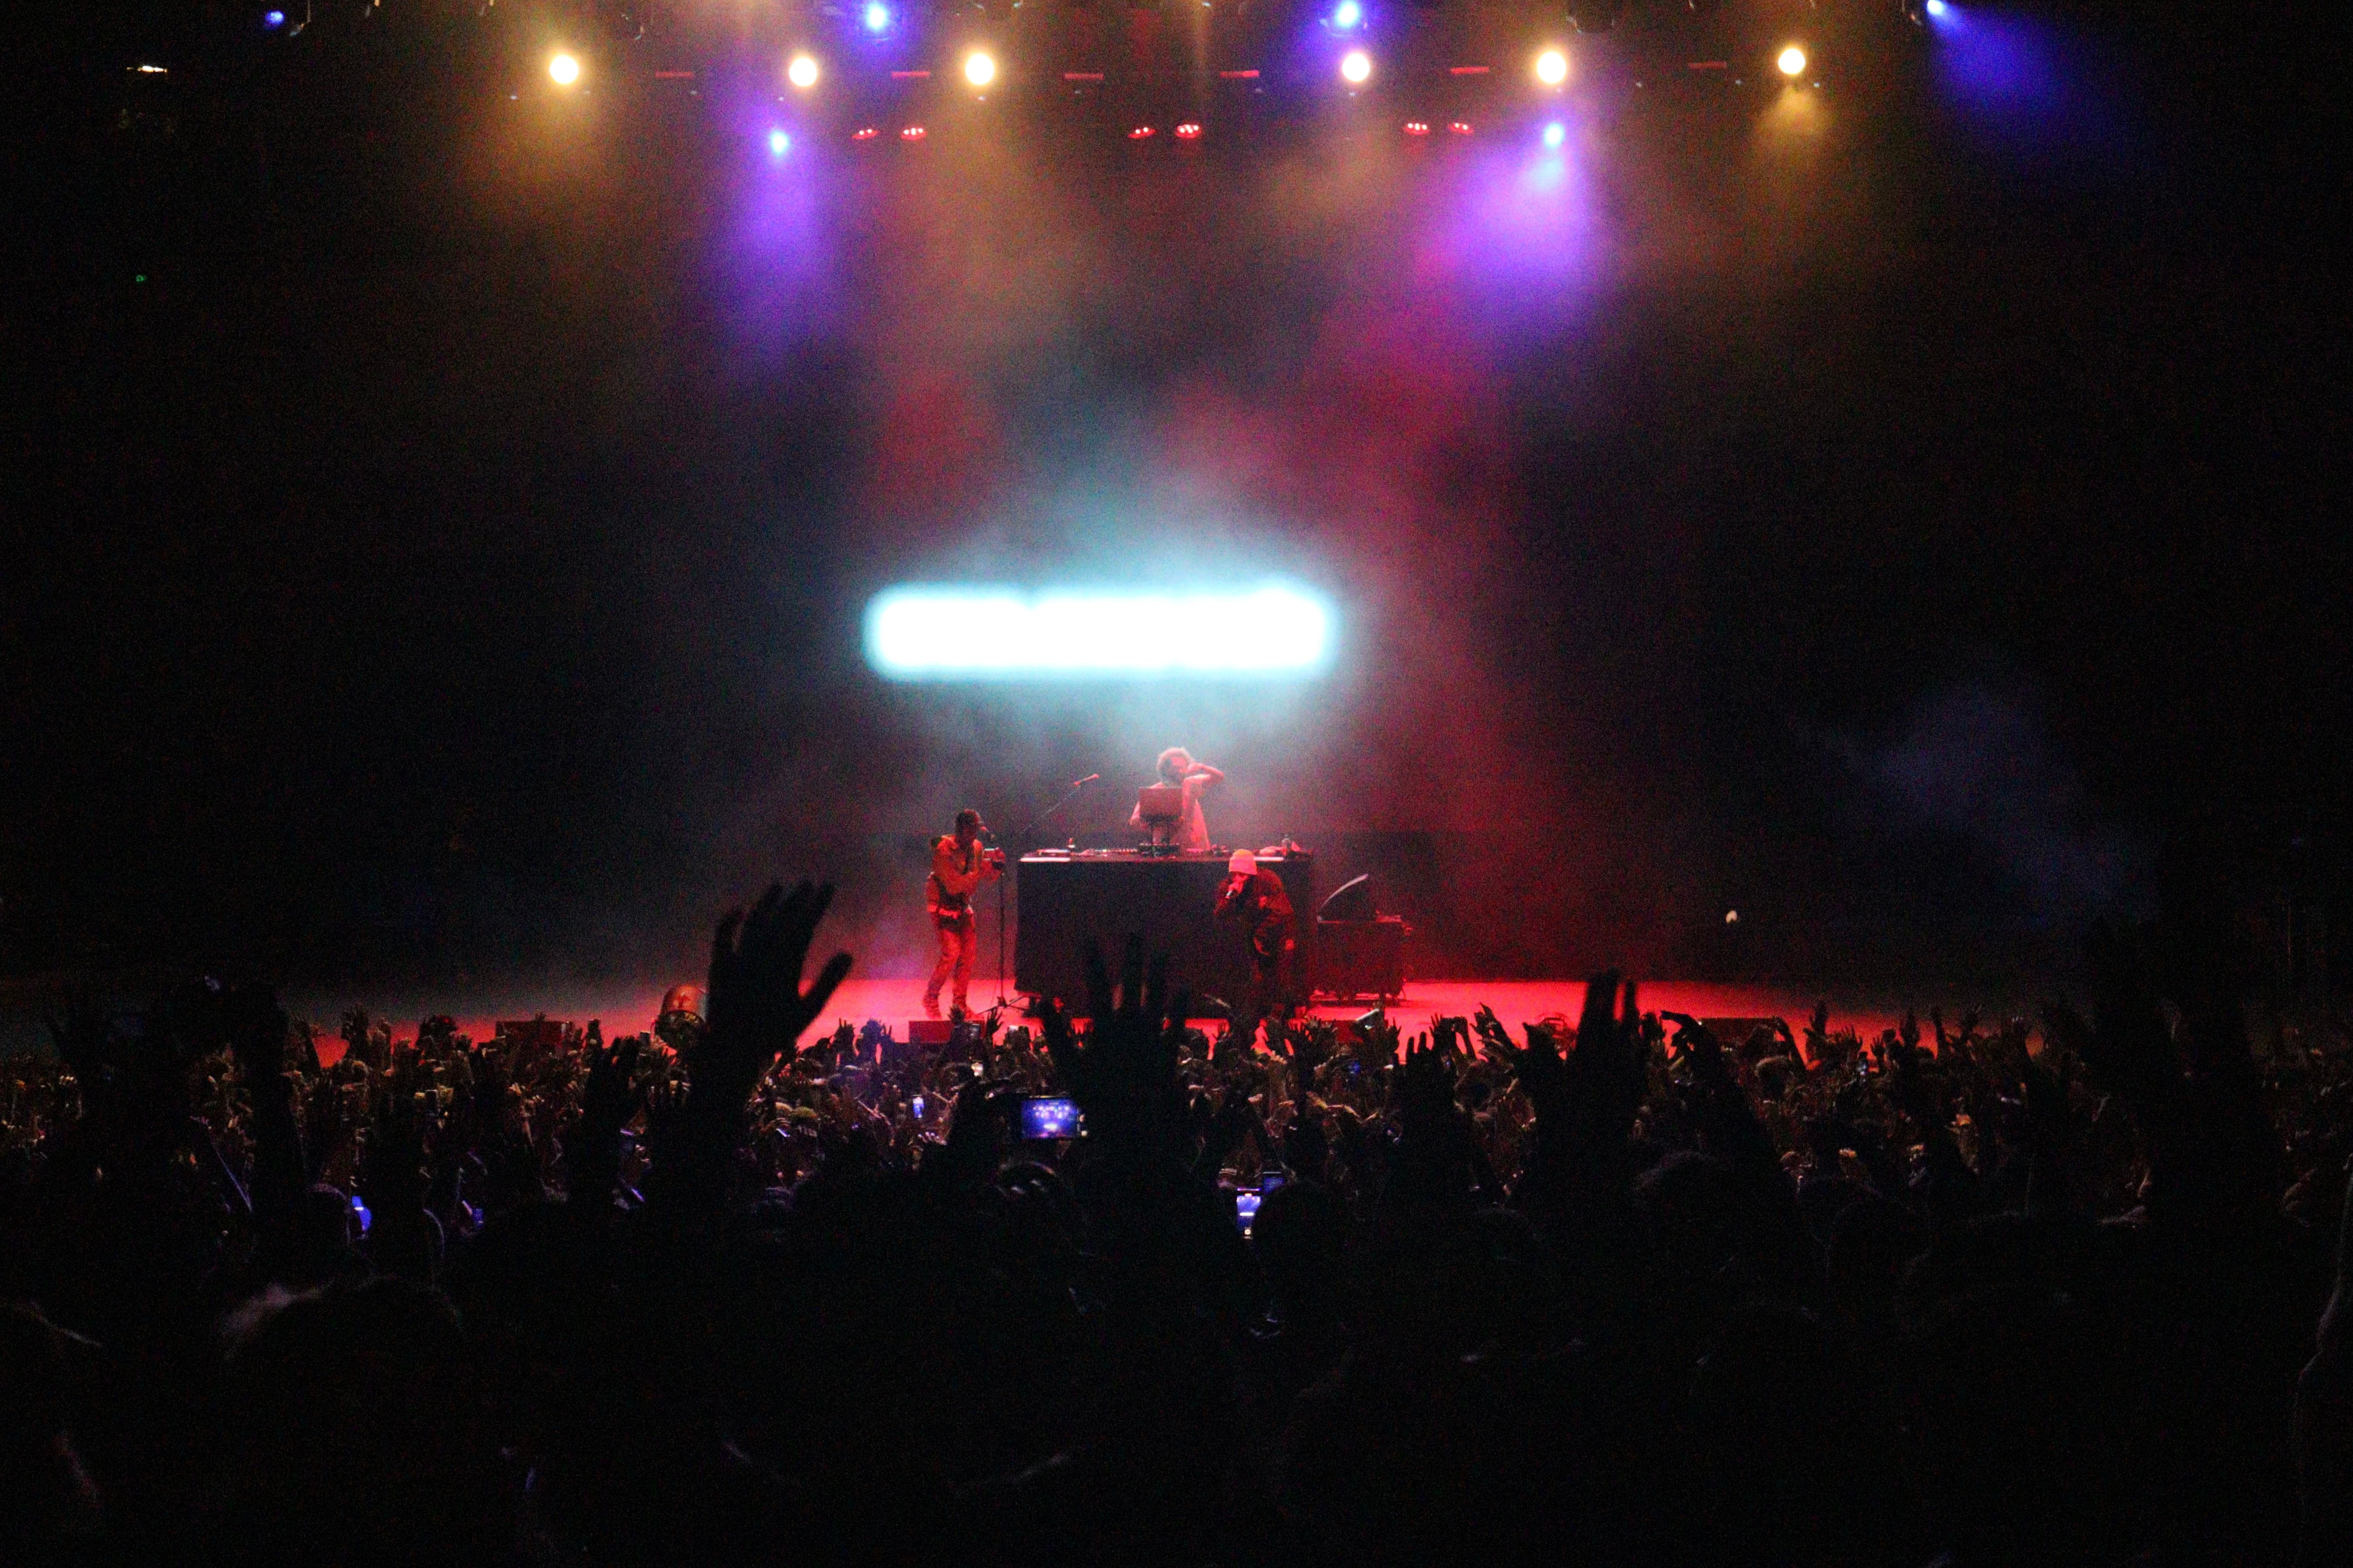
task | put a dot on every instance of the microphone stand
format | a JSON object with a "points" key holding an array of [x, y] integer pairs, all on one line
{"points": [[1003, 876]]}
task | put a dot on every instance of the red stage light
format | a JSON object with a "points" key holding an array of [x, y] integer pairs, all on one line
{"points": [[910, 76], [1461, 128], [1415, 128], [912, 133], [1140, 133], [1238, 75], [1189, 131], [1082, 76], [864, 134], [1466, 70]]}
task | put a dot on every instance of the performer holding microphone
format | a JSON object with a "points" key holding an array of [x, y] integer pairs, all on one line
{"points": [[1255, 898], [960, 863]]}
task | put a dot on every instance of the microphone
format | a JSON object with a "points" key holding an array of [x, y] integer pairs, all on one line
{"points": [[1080, 784]]}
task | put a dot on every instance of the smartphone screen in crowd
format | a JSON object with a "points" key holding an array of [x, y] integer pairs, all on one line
{"points": [[1049, 1118], [1246, 1207]]}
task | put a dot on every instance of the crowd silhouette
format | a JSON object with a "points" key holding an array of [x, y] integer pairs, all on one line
{"points": [[1616, 1291]]}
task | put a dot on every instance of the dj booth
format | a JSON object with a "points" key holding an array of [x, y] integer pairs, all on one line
{"points": [[1068, 897]]}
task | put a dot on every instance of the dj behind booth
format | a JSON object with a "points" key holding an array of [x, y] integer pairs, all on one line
{"points": [[1070, 897]]}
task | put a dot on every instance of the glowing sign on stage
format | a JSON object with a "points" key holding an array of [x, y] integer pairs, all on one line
{"points": [[989, 633]]}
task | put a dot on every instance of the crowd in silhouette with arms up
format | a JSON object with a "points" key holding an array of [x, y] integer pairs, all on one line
{"points": [[1616, 1291]]}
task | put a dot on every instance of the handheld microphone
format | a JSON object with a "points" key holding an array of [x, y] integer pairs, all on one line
{"points": [[1078, 783]]}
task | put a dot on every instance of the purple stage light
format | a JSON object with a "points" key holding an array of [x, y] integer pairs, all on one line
{"points": [[1348, 14], [779, 143], [877, 16], [1554, 135], [273, 18]]}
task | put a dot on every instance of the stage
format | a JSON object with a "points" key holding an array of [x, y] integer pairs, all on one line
{"points": [[895, 1001]]}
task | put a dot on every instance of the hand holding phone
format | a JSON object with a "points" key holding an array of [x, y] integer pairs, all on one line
{"points": [[1044, 1117]]}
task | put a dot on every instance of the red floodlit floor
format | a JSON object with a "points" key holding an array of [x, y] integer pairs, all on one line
{"points": [[1869, 1009]]}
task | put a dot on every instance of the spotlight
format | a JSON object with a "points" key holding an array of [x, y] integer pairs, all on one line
{"points": [[1140, 133], [1937, 8], [877, 16], [912, 133], [564, 71], [802, 72], [1189, 131], [1793, 61], [1356, 67], [1552, 68], [1417, 128], [1460, 128], [1553, 135], [779, 143], [978, 69], [864, 134], [1348, 13], [273, 19]]}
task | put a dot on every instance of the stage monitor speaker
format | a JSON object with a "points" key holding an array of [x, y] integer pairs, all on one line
{"points": [[1351, 900], [1360, 961], [931, 1033]]}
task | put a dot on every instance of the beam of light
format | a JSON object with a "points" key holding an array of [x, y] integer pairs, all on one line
{"points": [[978, 69], [1792, 61], [2013, 71], [1552, 68], [1554, 135], [1348, 13], [986, 633], [1355, 67], [779, 143], [802, 72], [877, 16], [563, 69]]}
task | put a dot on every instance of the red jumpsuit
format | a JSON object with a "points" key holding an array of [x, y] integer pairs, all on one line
{"points": [[957, 870]]}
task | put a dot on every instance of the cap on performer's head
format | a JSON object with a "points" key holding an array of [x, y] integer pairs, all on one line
{"points": [[1242, 864]]}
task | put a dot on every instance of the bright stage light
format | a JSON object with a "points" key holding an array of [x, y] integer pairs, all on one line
{"points": [[802, 72], [877, 16], [779, 143], [1189, 131], [1554, 135], [1793, 61], [1935, 8], [978, 69], [1348, 13], [273, 18], [1355, 67], [922, 633], [1552, 68], [564, 71]]}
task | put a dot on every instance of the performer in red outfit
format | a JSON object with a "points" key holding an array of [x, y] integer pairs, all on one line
{"points": [[960, 863], [1255, 896]]}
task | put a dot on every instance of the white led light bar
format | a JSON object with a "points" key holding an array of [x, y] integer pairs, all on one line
{"points": [[921, 632]]}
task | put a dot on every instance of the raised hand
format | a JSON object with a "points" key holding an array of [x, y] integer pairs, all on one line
{"points": [[1122, 1072], [758, 1005], [608, 1098]]}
